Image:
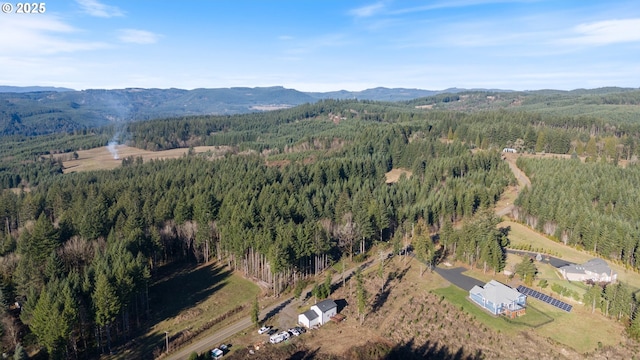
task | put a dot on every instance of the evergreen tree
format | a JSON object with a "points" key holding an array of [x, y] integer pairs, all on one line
{"points": [[541, 142], [20, 353], [593, 297], [526, 270], [634, 326], [107, 304], [327, 285], [53, 318]]}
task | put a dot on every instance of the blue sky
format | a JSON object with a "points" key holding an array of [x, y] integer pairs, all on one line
{"points": [[323, 45]]}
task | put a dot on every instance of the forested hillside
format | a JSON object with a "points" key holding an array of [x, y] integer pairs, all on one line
{"points": [[592, 206], [79, 250], [301, 189], [46, 112]]}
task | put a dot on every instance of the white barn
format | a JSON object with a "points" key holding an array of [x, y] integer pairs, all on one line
{"points": [[319, 314]]}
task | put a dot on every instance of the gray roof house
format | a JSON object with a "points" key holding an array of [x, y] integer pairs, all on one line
{"points": [[319, 314], [596, 270], [498, 298]]}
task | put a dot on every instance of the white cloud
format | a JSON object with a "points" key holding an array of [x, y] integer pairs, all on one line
{"points": [[40, 35], [605, 32], [136, 36], [367, 11], [97, 9]]}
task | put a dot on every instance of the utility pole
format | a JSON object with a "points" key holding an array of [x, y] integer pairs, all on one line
{"points": [[166, 337]]}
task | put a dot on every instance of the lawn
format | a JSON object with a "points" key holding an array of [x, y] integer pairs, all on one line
{"points": [[534, 318], [520, 234], [459, 297], [579, 329]]}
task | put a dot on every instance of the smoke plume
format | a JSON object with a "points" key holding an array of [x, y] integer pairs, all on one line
{"points": [[113, 149]]}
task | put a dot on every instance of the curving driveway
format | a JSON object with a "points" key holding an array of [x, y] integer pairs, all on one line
{"points": [[458, 279]]}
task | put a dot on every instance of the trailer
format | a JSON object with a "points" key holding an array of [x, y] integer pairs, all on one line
{"points": [[279, 337]]}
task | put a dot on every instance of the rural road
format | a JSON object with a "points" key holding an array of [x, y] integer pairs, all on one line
{"points": [[523, 180], [220, 336]]}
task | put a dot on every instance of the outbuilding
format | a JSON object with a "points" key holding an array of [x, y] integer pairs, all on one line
{"points": [[308, 319], [319, 314]]}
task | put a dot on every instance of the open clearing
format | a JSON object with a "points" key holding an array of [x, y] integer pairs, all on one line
{"points": [[101, 159], [394, 175]]}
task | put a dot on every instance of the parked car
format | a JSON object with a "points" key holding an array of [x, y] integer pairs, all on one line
{"points": [[216, 354], [294, 332], [264, 329]]}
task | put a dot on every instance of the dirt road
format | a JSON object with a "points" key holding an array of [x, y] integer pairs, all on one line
{"points": [[523, 180]]}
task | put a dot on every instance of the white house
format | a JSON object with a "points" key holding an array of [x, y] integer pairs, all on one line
{"points": [[596, 270], [319, 314]]}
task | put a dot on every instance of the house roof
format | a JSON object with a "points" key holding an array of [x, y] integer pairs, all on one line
{"points": [[496, 292], [597, 266], [326, 305], [310, 314]]}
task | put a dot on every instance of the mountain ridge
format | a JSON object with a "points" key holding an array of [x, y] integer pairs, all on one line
{"points": [[51, 110]]}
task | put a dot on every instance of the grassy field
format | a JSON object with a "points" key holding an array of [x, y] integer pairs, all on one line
{"points": [[459, 297], [101, 159], [394, 175], [184, 299], [579, 329], [520, 234]]}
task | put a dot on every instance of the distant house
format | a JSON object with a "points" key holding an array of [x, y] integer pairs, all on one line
{"points": [[596, 270], [498, 298], [319, 314]]}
